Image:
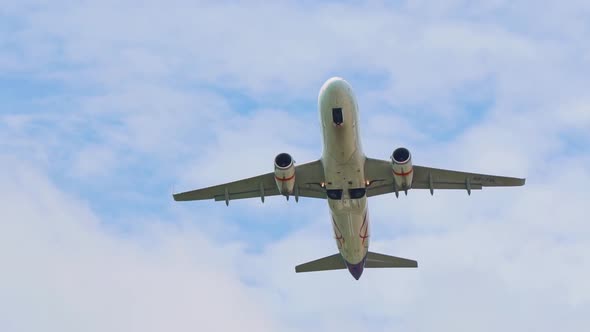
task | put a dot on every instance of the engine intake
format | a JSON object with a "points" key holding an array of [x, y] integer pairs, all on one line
{"points": [[285, 173], [401, 163]]}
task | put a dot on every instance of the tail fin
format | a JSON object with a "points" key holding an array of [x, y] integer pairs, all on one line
{"points": [[375, 260], [334, 262]]}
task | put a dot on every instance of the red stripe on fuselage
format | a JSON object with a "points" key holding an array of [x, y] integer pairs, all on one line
{"points": [[337, 236], [366, 226]]}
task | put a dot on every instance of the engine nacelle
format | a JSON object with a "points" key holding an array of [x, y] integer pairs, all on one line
{"points": [[401, 163], [285, 173]]}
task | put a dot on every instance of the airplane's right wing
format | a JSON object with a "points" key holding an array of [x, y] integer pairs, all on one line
{"points": [[307, 184]]}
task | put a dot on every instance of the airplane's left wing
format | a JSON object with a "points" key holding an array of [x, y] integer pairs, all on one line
{"points": [[379, 173], [308, 179]]}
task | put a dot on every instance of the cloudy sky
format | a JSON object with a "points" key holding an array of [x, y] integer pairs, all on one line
{"points": [[106, 106]]}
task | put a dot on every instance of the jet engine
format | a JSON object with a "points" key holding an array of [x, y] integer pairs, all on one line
{"points": [[285, 173], [401, 163]]}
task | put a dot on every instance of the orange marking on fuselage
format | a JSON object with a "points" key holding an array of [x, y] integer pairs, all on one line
{"points": [[366, 226], [339, 238]]}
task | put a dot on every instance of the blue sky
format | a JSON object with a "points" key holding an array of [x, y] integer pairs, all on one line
{"points": [[106, 106]]}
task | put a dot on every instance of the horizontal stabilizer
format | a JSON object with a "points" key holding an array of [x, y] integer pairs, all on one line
{"points": [[334, 262], [375, 260]]}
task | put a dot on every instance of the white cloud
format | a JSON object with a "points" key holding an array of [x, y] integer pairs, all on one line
{"points": [[62, 270], [94, 161]]}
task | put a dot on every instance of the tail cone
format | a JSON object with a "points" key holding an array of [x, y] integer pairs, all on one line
{"points": [[356, 269]]}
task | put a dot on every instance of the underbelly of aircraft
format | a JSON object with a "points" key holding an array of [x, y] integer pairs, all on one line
{"points": [[349, 214], [351, 230]]}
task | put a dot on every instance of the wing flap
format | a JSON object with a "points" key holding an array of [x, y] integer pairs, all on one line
{"points": [[309, 193], [445, 185], [422, 174], [272, 191]]}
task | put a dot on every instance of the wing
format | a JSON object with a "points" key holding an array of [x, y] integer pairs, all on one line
{"points": [[379, 173], [308, 179]]}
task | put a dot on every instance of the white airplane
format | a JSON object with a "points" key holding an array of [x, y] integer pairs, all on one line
{"points": [[346, 178]]}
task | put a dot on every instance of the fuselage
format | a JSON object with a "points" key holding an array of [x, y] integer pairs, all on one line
{"points": [[343, 174], [343, 160]]}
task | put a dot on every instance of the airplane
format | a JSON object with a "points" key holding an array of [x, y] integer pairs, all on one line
{"points": [[346, 178]]}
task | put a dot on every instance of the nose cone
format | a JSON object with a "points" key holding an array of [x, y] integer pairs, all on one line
{"points": [[334, 88], [356, 269], [334, 80]]}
